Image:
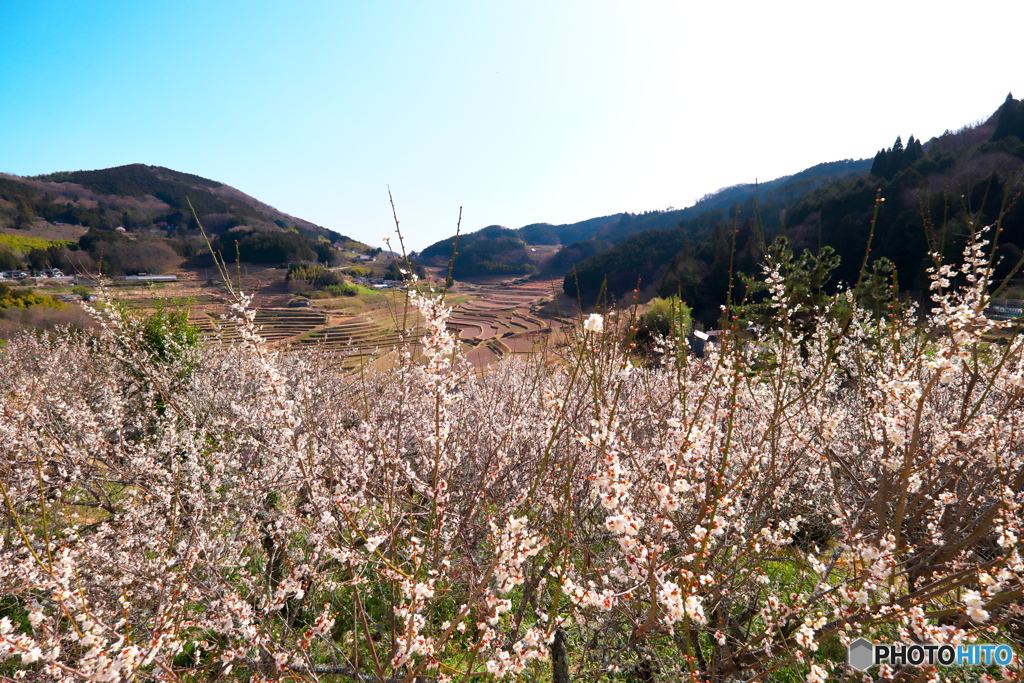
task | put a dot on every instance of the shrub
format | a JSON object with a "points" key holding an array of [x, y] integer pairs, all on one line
{"points": [[666, 317], [38, 259], [168, 334], [1015, 292], [27, 244], [304, 277], [95, 241]]}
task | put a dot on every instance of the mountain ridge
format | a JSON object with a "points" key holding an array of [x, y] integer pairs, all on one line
{"points": [[139, 218], [156, 188], [936, 193], [496, 249]]}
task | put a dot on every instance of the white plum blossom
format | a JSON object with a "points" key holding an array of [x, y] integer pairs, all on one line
{"points": [[594, 323], [817, 674], [975, 606]]}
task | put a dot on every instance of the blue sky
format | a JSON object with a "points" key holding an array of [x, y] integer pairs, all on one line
{"points": [[520, 112]]}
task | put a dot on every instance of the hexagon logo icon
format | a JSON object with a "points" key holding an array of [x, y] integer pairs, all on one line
{"points": [[861, 654]]}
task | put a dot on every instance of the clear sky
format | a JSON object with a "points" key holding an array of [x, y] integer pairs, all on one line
{"points": [[521, 112]]}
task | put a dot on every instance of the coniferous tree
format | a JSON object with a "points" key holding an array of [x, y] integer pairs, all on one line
{"points": [[25, 215], [1011, 119], [880, 164], [895, 159], [913, 152]]}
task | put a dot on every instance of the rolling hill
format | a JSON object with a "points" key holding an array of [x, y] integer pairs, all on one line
{"points": [[139, 218], [134, 196]]}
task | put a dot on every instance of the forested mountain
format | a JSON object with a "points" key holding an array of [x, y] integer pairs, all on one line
{"points": [[496, 249], [150, 205], [646, 255], [933, 192], [137, 195], [492, 250]]}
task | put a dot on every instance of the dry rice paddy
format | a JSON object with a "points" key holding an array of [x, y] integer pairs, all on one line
{"points": [[498, 320], [493, 321]]}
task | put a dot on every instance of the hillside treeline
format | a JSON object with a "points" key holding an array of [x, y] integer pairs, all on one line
{"points": [[112, 252]]}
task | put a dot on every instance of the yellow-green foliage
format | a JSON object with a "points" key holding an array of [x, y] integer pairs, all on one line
{"points": [[23, 298], [27, 244]]}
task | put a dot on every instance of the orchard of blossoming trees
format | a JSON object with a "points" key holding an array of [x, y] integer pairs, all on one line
{"points": [[226, 512]]}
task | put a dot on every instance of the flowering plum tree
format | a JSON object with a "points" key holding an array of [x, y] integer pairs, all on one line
{"points": [[710, 519]]}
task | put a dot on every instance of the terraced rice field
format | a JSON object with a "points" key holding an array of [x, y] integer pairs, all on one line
{"points": [[276, 325], [152, 301], [492, 321], [482, 356], [353, 340], [211, 314], [366, 339], [502, 320]]}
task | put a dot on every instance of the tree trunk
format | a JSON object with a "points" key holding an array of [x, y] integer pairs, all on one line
{"points": [[559, 659]]}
